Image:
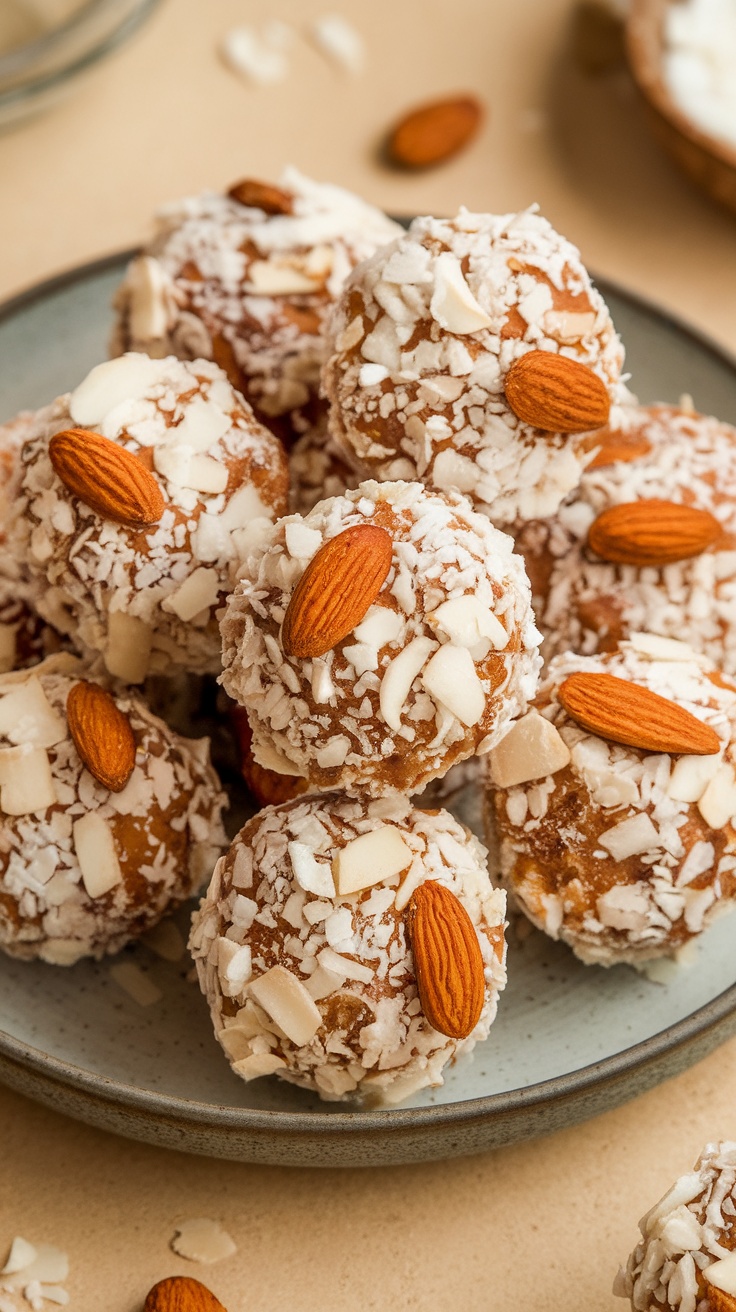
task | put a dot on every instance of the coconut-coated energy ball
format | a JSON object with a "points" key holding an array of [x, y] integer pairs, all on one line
{"points": [[423, 344], [647, 542], [24, 637], [109, 818], [248, 279], [379, 639], [615, 801], [686, 1259], [140, 495], [303, 945]]}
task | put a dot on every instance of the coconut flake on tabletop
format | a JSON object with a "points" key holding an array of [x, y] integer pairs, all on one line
{"points": [[141, 494], [647, 542], [472, 353], [351, 947], [248, 279], [380, 639], [109, 819], [686, 1258], [615, 801]]}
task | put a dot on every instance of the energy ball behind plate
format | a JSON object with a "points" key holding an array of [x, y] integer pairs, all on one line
{"points": [[686, 1259], [109, 819], [140, 495], [473, 353], [248, 279], [647, 542], [379, 639], [615, 801], [349, 948]]}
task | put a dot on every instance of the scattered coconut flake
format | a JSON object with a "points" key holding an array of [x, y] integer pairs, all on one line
{"points": [[371, 859], [21, 1255], [630, 837], [722, 1274], [166, 940], [94, 844], [136, 983], [312, 875], [285, 999], [258, 57], [450, 677], [336, 38], [532, 749], [26, 782], [453, 305], [202, 1240]]}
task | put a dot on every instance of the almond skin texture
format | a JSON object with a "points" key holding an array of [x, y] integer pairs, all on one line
{"points": [[447, 960], [719, 1300], [181, 1294], [101, 734], [336, 590], [552, 392], [435, 132], [627, 713], [110, 480], [655, 533], [262, 196]]}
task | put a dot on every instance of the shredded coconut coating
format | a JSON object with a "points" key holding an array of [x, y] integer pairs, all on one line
{"points": [[250, 290], [165, 829], [421, 342], [583, 603], [172, 577], [605, 854], [317, 470], [350, 953], [354, 718], [690, 1229], [24, 638]]}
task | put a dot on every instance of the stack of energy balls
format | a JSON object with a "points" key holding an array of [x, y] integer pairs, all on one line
{"points": [[443, 412]]}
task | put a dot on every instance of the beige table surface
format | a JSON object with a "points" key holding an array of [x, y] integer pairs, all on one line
{"points": [[540, 1227]]}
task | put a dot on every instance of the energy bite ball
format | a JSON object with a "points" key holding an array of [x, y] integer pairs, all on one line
{"points": [[686, 1260], [647, 542], [303, 946], [380, 639], [109, 819], [140, 495], [248, 280], [471, 353], [615, 801], [24, 638]]}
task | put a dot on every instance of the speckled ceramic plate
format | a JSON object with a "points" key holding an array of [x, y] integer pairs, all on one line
{"points": [[569, 1041]]}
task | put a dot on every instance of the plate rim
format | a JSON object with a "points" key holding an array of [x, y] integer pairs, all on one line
{"points": [[637, 1057]]}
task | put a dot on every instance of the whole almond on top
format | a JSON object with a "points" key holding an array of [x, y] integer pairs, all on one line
{"points": [[553, 392], [101, 734], [627, 713], [652, 533], [181, 1294], [434, 132], [262, 196], [447, 960], [336, 590], [110, 480]]}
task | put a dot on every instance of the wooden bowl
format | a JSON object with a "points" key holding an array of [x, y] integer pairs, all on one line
{"points": [[710, 162]]}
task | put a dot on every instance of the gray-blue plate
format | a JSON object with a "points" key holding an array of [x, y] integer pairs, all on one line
{"points": [[570, 1041]]}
